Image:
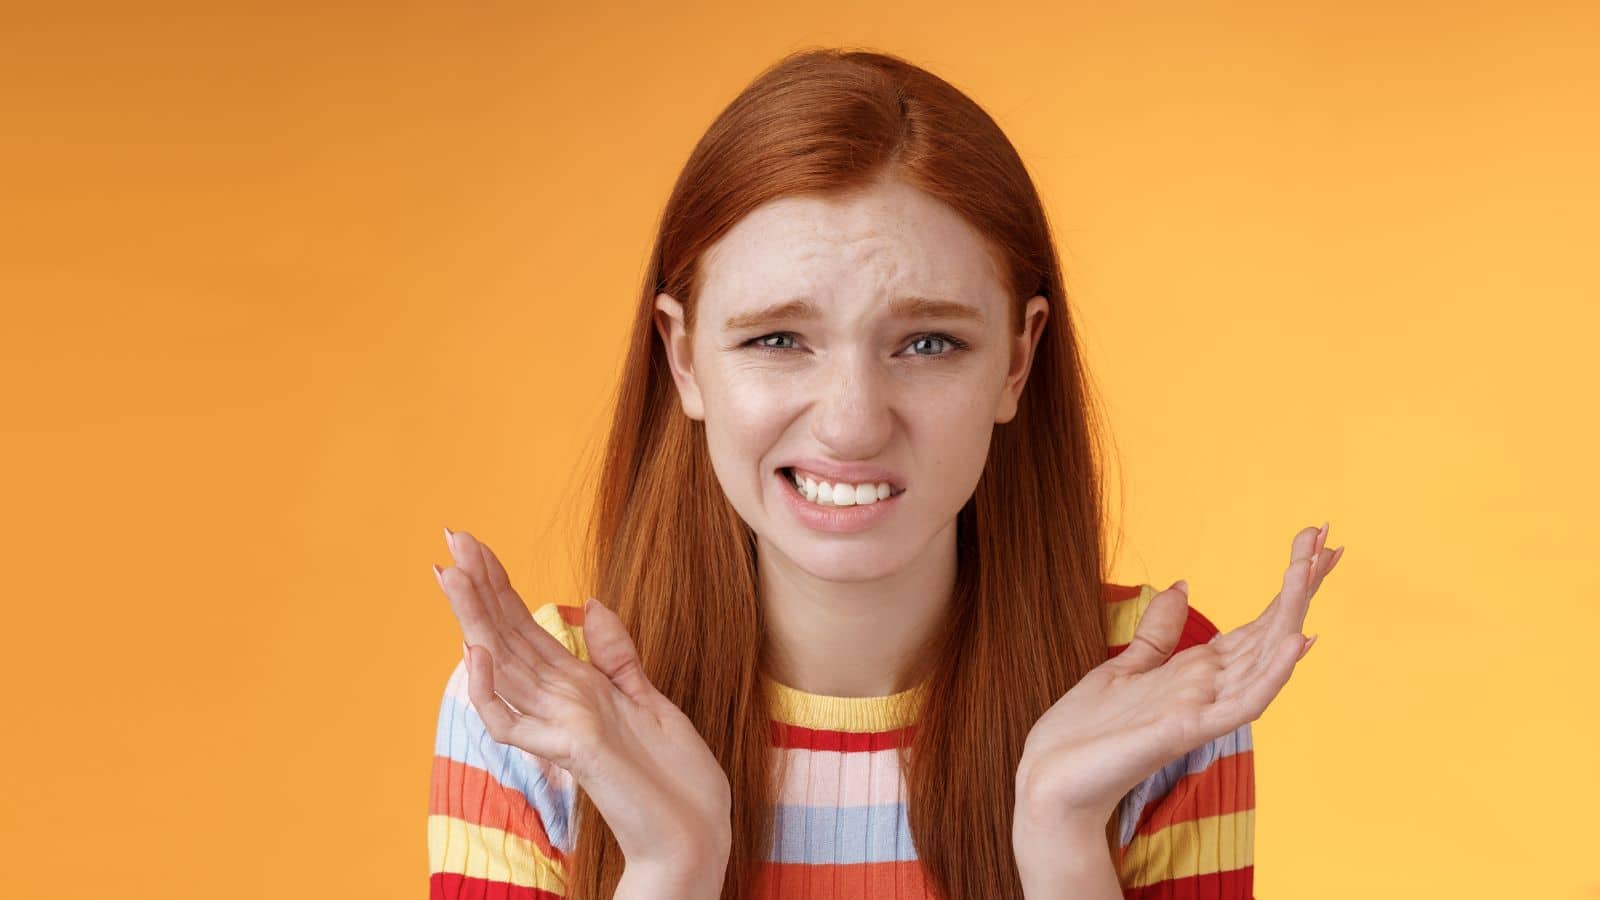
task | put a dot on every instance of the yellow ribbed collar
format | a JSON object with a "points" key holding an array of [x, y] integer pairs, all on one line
{"points": [[855, 714]]}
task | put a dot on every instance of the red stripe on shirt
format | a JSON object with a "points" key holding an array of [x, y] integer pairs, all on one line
{"points": [[845, 881], [472, 795], [1232, 884], [798, 737], [450, 886], [1226, 786]]}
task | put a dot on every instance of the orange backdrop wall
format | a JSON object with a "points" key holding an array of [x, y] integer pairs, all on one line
{"points": [[289, 287]]}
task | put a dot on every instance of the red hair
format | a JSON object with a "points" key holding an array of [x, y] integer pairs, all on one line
{"points": [[668, 552]]}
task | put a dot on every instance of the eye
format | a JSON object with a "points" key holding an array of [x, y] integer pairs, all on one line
{"points": [[956, 344], [757, 342]]}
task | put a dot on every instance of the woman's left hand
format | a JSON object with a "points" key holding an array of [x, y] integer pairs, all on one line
{"points": [[1141, 709]]}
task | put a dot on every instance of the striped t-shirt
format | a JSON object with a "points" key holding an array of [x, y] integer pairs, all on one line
{"points": [[500, 819]]}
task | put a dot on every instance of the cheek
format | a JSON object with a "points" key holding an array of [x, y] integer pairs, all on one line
{"points": [[751, 403], [745, 417], [952, 438]]}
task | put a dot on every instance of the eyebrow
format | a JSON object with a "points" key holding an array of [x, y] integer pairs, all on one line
{"points": [[901, 308]]}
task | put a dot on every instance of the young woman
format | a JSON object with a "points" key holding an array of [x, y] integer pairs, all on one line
{"points": [[850, 634]]}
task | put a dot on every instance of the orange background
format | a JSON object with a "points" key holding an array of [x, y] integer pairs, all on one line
{"points": [[288, 289]]}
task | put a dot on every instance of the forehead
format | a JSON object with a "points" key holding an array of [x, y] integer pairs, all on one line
{"points": [[889, 240]]}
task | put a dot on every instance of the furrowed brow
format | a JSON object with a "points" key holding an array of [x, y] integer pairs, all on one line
{"points": [[930, 308], [790, 311], [900, 307]]}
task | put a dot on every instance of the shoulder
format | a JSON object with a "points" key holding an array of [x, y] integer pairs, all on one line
{"points": [[1189, 828], [1125, 605], [499, 817], [566, 623]]}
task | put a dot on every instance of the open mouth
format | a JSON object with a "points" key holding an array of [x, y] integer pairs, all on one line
{"points": [[827, 494]]}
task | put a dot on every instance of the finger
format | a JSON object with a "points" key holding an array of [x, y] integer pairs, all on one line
{"points": [[1286, 614], [511, 604], [495, 586], [553, 654], [501, 719], [1274, 621], [1305, 542], [1293, 600], [1306, 649], [1232, 643], [477, 624], [1246, 701], [1325, 564], [1157, 633], [519, 667], [1246, 639], [497, 717], [490, 576], [613, 652], [517, 635], [468, 555]]}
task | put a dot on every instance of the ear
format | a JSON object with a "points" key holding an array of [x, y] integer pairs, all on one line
{"points": [[1022, 347], [675, 339]]}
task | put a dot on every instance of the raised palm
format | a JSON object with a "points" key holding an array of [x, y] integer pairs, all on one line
{"points": [[1146, 706], [632, 750]]}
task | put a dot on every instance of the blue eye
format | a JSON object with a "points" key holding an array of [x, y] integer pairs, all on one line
{"points": [[760, 346], [955, 344]]}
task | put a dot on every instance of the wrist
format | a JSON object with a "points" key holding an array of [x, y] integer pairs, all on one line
{"points": [[673, 881], [689, 871], [1035, 812], [1071, 858], [1076, 837]]}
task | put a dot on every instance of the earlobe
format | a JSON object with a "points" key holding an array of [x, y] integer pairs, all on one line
{"points": [[1021, 352], [675, 341]]}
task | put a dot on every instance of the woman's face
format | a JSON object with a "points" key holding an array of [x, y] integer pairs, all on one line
{"points": [[865, 342]]}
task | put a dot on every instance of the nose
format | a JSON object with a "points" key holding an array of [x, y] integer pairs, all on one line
{"points": [[852, 415]]}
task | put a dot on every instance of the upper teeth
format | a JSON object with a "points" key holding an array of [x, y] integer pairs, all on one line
{"points": [[826, 493]]}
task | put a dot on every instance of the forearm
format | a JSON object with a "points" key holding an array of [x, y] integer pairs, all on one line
{"points": [[1073, 863]]}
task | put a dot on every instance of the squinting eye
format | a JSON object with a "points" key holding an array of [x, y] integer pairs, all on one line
{"points": [[757, 341], [955, 344]]}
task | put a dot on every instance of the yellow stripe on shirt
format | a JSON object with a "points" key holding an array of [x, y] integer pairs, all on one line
{"points": [[1122, 617], [1196, 847], [478, 851]]}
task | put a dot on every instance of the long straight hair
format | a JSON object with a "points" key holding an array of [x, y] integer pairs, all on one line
{"points": [[670, 555]]}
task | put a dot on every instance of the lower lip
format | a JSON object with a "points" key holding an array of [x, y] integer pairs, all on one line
{"points": [[836, 519]]}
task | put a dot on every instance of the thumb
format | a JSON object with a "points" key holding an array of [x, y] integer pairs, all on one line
{"points": [[1157, 633], [612, 651]]}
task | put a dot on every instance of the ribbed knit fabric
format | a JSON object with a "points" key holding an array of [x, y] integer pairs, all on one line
{"points": [[500, 819]]}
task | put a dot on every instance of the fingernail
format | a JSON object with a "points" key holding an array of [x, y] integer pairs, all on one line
{"points": [[1307, 648], [450, 539], [1322, 536], [1182, 585], [1336, 554], [438, 575]]}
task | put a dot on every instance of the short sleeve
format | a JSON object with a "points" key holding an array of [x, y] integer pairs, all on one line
{"points": [[499, 818], [1187, 831]]}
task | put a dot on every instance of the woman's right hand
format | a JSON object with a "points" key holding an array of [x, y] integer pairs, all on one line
{"points": [[632, 750]]}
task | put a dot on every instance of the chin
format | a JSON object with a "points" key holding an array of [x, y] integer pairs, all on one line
{"points": [[844, 558]]}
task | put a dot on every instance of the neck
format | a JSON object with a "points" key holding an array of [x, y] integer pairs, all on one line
{"points": [[855, 638]]}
